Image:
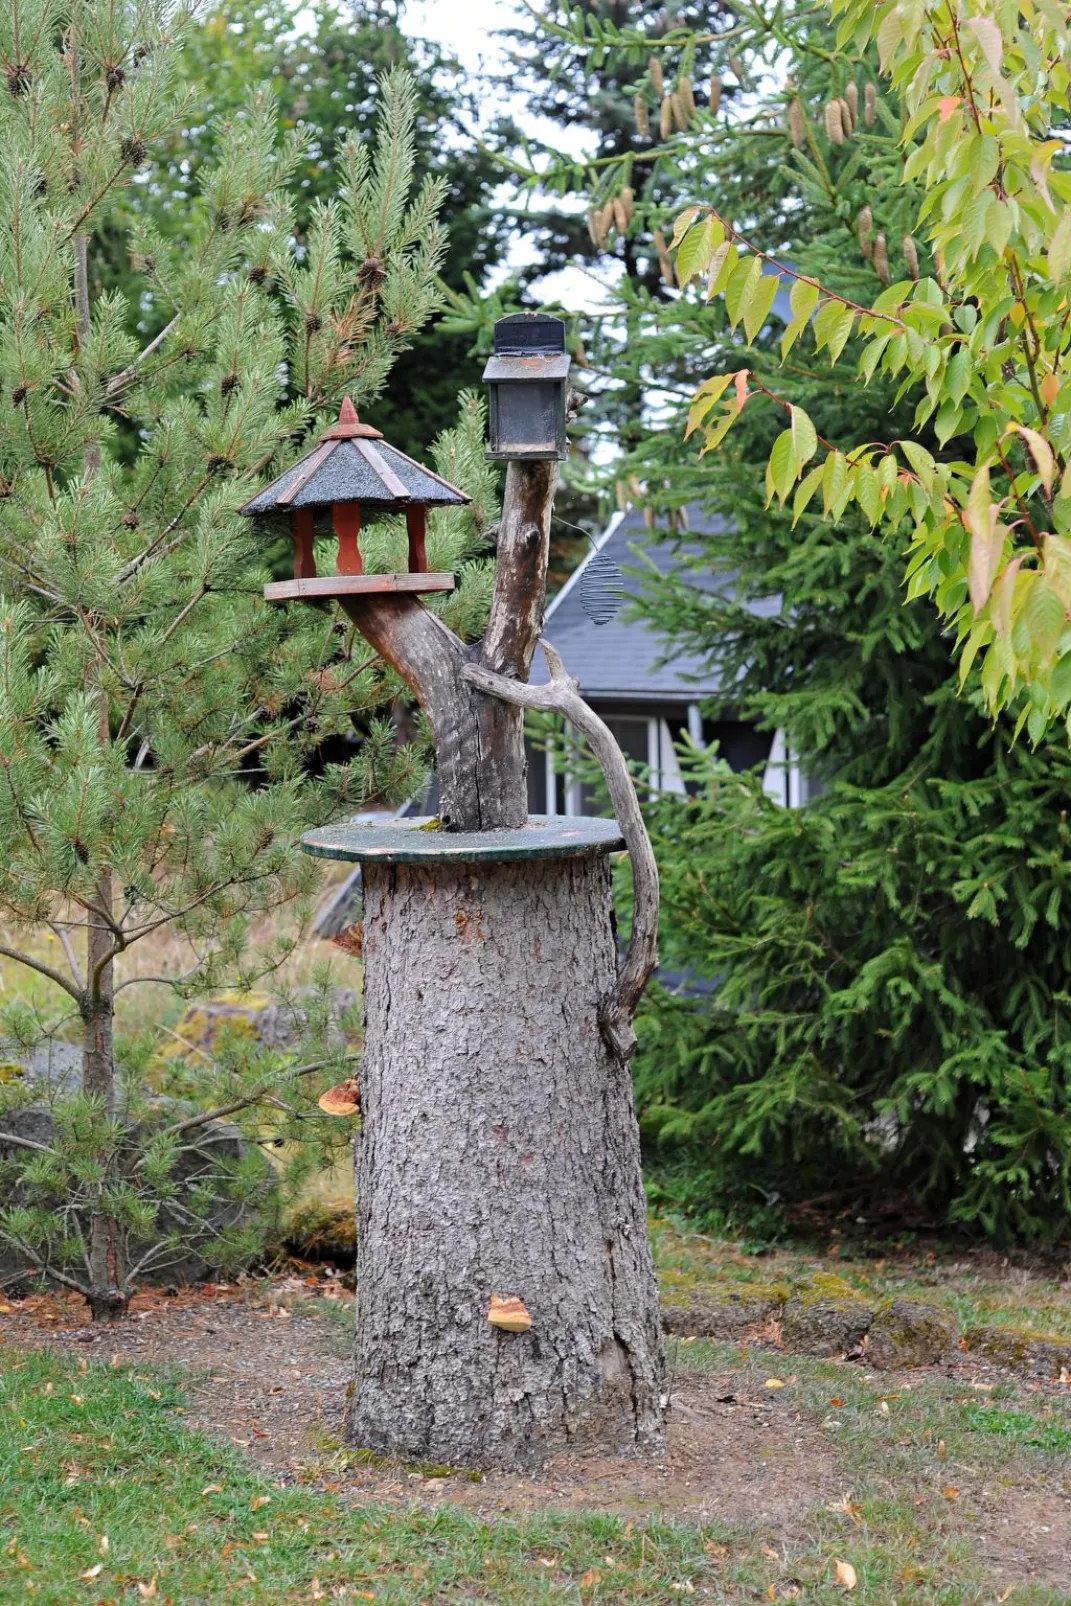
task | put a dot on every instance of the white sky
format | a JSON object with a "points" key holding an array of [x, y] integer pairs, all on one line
{"points": [[464, 26], [467, 28]]}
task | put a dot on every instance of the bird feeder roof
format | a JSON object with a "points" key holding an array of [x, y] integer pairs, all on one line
{"points": [[353, 463]]}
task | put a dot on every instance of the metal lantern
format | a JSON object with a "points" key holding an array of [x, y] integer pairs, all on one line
{"points": [[352, 468], [527, 381]]}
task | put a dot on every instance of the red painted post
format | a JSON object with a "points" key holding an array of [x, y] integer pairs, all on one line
{"points": [[416, 524], [304, 532], [346, 517]]}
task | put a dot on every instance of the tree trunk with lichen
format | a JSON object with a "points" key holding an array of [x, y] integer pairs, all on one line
{"points": [[499, 1155]]}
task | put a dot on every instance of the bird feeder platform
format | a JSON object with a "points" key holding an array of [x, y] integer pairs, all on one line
{"points": [[421, 841], [354, 585]]}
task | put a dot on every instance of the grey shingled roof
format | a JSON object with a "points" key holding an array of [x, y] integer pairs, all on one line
{"points": [[619, 661], [345, 474]]}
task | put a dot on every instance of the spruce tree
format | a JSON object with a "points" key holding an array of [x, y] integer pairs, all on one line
{"points": [[157, 718], [885, 1021]]}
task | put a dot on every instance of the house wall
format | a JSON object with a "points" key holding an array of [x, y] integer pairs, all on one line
{"points": [[648, 735]]}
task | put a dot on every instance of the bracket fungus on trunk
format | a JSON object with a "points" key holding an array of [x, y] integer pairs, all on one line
{"points": [[353, 469]]}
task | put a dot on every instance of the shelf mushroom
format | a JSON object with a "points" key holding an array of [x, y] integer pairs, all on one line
{"points": [[353, 468]]}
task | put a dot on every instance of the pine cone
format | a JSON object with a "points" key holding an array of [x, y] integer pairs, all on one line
{"points": [[371, 272], [911, 256], [881, 260]]}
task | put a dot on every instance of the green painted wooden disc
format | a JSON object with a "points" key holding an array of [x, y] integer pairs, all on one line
{"points": [[419, 841]]}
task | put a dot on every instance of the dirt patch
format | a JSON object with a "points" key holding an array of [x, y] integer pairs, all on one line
{"points": [[268, 1371], [273, 1380]]}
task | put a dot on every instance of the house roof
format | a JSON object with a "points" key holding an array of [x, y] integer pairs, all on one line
{"points": [[620, 661], [353, 463]]}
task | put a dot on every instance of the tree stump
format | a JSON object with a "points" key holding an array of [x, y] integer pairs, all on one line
{"points": [[499, 1152]]}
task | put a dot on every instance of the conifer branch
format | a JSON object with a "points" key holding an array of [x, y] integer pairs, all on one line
{"points": [[43, 970]]}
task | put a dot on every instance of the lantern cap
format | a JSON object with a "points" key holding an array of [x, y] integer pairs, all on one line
{"points": [[525, 333], [353, 463]]}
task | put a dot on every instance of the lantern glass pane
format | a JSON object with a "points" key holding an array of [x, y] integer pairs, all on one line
{"points": [[528, 417]]}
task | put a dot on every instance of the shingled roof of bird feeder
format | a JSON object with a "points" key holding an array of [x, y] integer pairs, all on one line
{"points": [[351, 469], [353, 463]]}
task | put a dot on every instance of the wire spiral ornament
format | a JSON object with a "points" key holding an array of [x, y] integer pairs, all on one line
{"points": [[602, 589]]}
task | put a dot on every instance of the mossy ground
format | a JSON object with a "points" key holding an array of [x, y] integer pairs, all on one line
{"points": [[980, 1287]]}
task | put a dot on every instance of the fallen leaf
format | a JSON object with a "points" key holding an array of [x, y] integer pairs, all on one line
{"points": [[262, 1537], [845, 1575], [713, 1549], [774, 1383], [147, 1591], [768, 1550], [942, 1451], [509, 1313], [590, 1578], [212, 1488], [845, 1507], [76, 1399], [883, 1408], [259, 1500], [951, 1494], [835, 1402], [93, 1572]]}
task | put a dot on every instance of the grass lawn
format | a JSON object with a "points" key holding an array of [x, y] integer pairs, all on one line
{"points": [[107, 1495]]}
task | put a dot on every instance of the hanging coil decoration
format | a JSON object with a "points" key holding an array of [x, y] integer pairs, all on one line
{"points": [[602, 589]]}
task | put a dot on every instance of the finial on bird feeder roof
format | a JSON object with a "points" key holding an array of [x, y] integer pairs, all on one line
{"points": [[353, 468]]}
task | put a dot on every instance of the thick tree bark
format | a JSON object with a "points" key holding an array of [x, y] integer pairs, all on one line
{"points": [[479, 740], [499, 1155]]}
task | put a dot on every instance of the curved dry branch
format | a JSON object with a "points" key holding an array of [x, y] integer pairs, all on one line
{"points": [[562, 696]]}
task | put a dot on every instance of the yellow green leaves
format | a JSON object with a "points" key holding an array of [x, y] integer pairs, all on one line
{"points": [[832, 326], [987, 540], [803, 299], [1041, 452], [804, 436], [696, 246], [706, 399], [976, 337], [1060, 247], [794, 447]]}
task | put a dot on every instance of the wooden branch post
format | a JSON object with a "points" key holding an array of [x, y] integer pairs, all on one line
{"points": [[506, 1300]]}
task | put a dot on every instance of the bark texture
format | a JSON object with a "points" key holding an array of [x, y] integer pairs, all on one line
{"points": [[479, 739], [499, 1154]]}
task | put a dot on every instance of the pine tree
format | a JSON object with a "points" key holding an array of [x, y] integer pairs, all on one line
{"points": [[323, 70], [886, 1020], [156, 717]]}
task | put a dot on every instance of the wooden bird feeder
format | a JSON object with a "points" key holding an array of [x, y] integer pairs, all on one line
{"points": [[351, 469]]}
